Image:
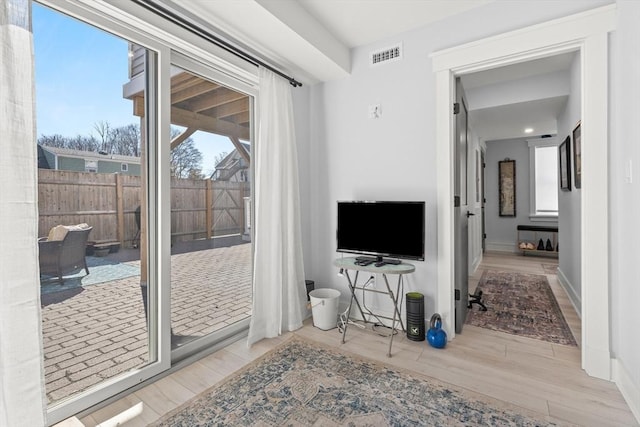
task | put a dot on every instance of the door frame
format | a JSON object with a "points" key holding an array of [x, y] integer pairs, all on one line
{"points": [[586, 32]]}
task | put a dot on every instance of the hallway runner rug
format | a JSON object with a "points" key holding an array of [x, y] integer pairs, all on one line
{"points": [[301, 383], [520, 304]]}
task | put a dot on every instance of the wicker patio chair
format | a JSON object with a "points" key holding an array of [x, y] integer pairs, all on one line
{"points": [[60, 258]]}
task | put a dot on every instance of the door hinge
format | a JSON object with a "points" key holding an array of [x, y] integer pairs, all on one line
{"points": [[456, 108], [456, 201], [457, 294], [484, 235]]}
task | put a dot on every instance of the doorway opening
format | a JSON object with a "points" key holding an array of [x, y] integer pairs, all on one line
{"points": [[588, 33]]}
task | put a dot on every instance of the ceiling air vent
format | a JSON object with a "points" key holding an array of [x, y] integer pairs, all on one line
{"points": [[385, 55]]}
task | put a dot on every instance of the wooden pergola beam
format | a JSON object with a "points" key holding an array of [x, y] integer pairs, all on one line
{"points": [[240, 118], [188, 93], [230, 108], [236, 143], [182, 137], [183, 80], [221, 96], [197, 121], [205, 123]]}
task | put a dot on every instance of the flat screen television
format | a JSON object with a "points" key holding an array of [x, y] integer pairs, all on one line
{"points": [[382, 229]]}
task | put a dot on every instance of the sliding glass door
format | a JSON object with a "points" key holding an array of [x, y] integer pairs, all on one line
{"points": [[144, 187], [96, 110], [211, 170]]}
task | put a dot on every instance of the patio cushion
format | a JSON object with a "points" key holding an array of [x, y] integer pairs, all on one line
{"points": [[60, 231]]}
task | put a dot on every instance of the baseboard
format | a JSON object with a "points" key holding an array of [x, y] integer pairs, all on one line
{"points": [[575, 299], [629, 390], [502, 247]]}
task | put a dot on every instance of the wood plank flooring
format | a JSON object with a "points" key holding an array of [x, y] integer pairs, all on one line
{"points": [[537, 376]]}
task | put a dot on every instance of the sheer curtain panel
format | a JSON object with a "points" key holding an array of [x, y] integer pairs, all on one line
{"points": [[278, 271], [21, 374]]}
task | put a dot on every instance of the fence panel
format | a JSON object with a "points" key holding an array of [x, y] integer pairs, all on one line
{"points": [[66, 197], [188, 209], [228, 207]]}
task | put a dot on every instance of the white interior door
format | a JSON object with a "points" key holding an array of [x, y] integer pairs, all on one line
{"points": [[461, 210]]}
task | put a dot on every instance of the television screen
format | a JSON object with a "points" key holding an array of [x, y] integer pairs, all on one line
{"points": [[382, 228]]}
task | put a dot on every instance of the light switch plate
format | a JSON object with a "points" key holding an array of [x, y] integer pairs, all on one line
{"points": [[628, 172]]}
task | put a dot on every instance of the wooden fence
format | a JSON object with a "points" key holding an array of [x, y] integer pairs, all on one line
{"points": [[108, 203]]}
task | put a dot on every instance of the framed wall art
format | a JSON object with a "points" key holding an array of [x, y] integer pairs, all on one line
{"points": [[577, 156], [507, 187], [564, 164]]}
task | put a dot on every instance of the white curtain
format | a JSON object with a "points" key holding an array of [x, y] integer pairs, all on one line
{"points": [[279, 295], [22, 401]]}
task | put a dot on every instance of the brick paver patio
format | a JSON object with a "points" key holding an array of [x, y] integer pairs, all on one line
{"points": [[96, 332]]}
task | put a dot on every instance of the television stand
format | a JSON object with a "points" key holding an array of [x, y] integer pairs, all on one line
{"points": [[352, 264]]}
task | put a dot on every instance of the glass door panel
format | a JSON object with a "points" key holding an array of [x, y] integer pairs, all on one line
{"points": [[93, 178], [211, 249]]}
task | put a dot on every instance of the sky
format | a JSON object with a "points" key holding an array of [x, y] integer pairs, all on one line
{"points": [[80, 71]]}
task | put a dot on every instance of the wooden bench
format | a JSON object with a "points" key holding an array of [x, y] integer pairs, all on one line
{"points": [[537, 232], [112, 245]]}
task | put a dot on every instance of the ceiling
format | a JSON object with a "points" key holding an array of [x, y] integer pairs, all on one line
{"points": [[380, 19], [532, 95], [313, 39]]}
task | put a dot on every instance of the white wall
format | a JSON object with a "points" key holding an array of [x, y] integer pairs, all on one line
{"points": [[377, 159], [502, 230], [393, 157], [569, 222], [625, 201], [301, 107]]}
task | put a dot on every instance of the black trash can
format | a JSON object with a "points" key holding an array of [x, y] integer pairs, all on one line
{"points": [[415, 316], [310, 286]]}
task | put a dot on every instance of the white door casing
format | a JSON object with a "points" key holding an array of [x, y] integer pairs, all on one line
{"points": [[586, 32]]}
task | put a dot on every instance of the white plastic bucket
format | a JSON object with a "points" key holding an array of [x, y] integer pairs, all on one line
{"points": [[324, 308]]}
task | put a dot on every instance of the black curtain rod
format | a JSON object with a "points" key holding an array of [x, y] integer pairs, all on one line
{"points": [[185, 24]]}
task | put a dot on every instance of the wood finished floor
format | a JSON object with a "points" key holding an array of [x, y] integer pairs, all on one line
{"points": [[535, 375]]}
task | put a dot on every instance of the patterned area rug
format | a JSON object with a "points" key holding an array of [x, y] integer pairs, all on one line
{"points": [[100, 270], [304, 384], [550, 268], [520, 304]]}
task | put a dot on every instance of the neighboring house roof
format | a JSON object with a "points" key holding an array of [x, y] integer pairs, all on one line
{"points": [[231, 164], [43, 163], [230, 160], [90, 155]]}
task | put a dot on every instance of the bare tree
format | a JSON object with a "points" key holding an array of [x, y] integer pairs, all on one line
{"points": [[186, 159], [79, 142], [106, 136], [220, 157], [126, 140], [56, 140]]}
